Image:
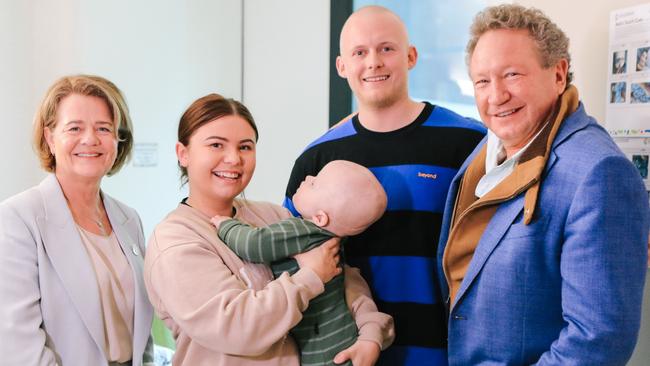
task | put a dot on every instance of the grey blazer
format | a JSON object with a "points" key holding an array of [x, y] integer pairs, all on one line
{"points": [[50, 311]]}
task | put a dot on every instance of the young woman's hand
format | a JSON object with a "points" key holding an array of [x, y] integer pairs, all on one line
{"points": [[361, 353], [324, 259]]}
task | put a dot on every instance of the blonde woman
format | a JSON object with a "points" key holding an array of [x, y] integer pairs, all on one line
{"points": [[71, 256]]}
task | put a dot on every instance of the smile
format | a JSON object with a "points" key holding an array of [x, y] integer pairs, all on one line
{"points": [[87, 155], [507, 113], [227, 175], [373, 79]]}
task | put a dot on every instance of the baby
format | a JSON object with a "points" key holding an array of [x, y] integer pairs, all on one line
{"points": [[342, 200]]}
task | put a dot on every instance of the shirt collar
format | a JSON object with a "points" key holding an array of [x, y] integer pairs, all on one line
{"points": [[497, 166]]}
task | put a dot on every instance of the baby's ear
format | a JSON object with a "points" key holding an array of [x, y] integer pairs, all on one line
{"points": [[320, 218]]}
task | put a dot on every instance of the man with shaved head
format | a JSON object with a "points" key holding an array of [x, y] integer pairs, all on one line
{"points": [[414, 149]]}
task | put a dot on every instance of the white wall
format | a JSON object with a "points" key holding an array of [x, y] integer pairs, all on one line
{"points": [[18, 164], [182, 51], [286, 85], [162, 54]]}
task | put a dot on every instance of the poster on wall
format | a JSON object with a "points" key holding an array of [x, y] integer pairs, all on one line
{"points": [[628, 81]]}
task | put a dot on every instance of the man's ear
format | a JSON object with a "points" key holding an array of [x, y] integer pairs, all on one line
{"points": [[321, 218], [181, 154], [561, 72], [340, 67], [412, 57]]}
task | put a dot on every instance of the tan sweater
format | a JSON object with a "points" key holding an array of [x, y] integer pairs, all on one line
{"points": [[198, 287]]}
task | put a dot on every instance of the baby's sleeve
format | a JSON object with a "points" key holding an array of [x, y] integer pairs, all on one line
{"points": [[270, 243]]}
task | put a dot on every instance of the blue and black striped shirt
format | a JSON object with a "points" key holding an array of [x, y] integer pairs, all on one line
{"points": [[415, 165]]}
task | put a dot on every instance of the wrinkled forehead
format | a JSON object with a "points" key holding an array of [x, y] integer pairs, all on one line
{"points": [[372, 26], [504, 45], [74, 105]]}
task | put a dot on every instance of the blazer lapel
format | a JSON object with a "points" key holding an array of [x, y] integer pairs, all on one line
{"points": [[503, 219], [448, 213], [576, 121], [69, 258], [494, 232], [451, 200], [127, 230]]}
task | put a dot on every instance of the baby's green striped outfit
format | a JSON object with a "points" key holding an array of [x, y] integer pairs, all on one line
{"points": [[327, 327]]}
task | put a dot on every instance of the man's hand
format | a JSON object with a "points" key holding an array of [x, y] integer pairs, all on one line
{"points": [[217, 220], [361, 353]]}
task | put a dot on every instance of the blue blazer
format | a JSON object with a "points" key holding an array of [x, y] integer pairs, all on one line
{"points": [[567, 288], [50, 311]]}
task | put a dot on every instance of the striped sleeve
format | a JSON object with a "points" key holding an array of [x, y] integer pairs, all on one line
{"points": [[271, 243]]}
